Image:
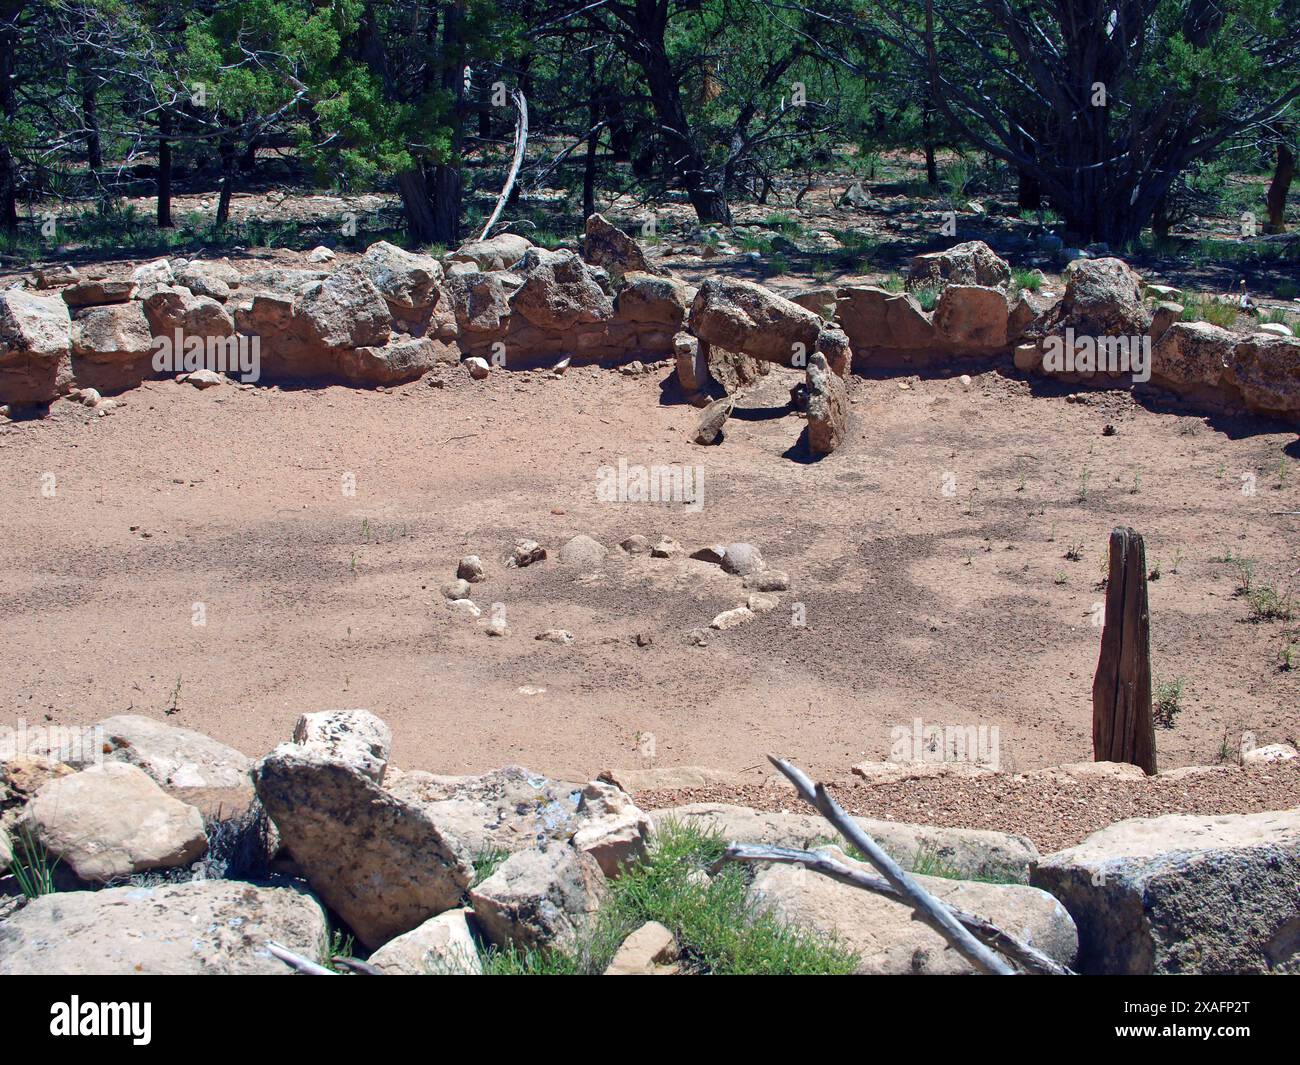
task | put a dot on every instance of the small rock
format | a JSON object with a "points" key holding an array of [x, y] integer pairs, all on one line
{"points": [[561, 636], [478, 368], [583, 551], [457, 589], [644, 639], [636, 545], [1273, 752], [667, 548], [964, 381], [471, 569], [496, 626], [442, 946], [1276, 329], [89, 397], [713, 554], [708, 429], [525, 553], [729, 619], [465, 607], [761, 602], [321, 254], [742, 559], [649, 951], [539, 898], [772, 580]]}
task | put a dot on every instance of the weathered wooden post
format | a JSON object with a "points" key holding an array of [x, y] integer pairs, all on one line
{"points": [[1123, 729]]}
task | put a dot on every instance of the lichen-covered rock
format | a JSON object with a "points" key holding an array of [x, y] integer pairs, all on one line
{"points": [[402, 359], [112, 347], [539, 898], [206, 927], [345, 311], [606, 245], [559, 291], [496, 253], [354, 737], [971, 263], [1103, 298], [1265, 371], [174, 757], [406, 280], [745, 317], [650, 299], [1184, 893]]}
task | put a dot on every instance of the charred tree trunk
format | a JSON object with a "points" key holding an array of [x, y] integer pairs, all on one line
{"points": [[165, 169], [229, 170], [418, 205], [593, 139], [1275, 198], [1123, 729], [931, 165]]}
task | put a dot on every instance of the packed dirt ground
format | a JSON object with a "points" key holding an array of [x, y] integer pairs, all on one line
{"points": [[959, 608]]}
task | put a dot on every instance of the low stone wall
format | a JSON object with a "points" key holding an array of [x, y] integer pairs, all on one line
{"points": [[393, 315]]}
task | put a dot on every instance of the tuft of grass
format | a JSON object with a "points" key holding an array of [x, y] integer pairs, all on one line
{"points": [[1167, 701], [31, 866], [719, 928], [1268, 604], [927, 296], [1197, 308], [486, 864]]}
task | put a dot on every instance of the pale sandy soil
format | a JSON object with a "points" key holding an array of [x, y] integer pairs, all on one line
{"points": [[958, 609]]}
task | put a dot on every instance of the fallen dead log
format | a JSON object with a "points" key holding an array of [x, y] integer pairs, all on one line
{"points": [[925, 906], [1029, 958]]}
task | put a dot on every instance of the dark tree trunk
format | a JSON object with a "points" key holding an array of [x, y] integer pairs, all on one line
{"points": [[9, 105], [593, 138], [1275, 198], [164, 170], [446, 176], [931, 166], [418, 206], [229, 170], [90, 119]]}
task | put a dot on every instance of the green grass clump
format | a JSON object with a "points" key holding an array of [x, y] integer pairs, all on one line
{"points": [[31, 866], [1198, 308], [720, 929], [927, 296]]}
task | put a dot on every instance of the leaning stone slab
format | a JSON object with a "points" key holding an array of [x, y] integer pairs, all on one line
{"points": [[174, 757], [1184, 893], [212, 927], [111, 821], [442, 946], [965, 852], [384, 865], [539, 898], [885, 936]]}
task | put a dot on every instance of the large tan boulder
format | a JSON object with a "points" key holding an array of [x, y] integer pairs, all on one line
{"points": [[745, 317], [559, 292], [111, 821], [405, 279], [882, 932], [614, 831], [539, 898], [172, 756], [650, 299], [345, 310], [1103, 298], [972, 318], [215, 278], [35, 337], [1191, 358], [112, 347], [1265, 371], [877, 320], [170, 309], [207, 927], [496, 253], [442, 946], [95, 291], [971, 263], [965, 852], [480, 302], [1184, 893], [384, 865], [402, 359]]}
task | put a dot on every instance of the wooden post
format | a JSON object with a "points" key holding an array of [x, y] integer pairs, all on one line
{"points": [[1123, 729]]}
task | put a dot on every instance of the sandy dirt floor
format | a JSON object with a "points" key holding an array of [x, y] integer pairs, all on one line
{"points": [[928, 553]]}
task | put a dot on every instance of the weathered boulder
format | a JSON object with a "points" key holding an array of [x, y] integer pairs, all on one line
{"points": [[158, 272], [213, 927], [112, 347], [214, 279], [174, 757], [480, 301], [402, 359], [406, 280], [742, 559], [111, 821], [92, 292], [442, 946], [971, 263], [877, 320], [733, 370], [1103, 298], [833, 343], [583, 552], [823, 300], [559, 291], [882, 931], [605, 245], [745, 317], [1184, 894], [35, 337], [509, 809], [1265, 372], [1191, 358], [650, 299], [496, 253], [539, 898], [828, 407], [171, 309], [615, 832], [384, 865], [712, 419], [972, 318], [354, 737], [690, 364], [21, 777], [965, 852], [345, 311]]}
